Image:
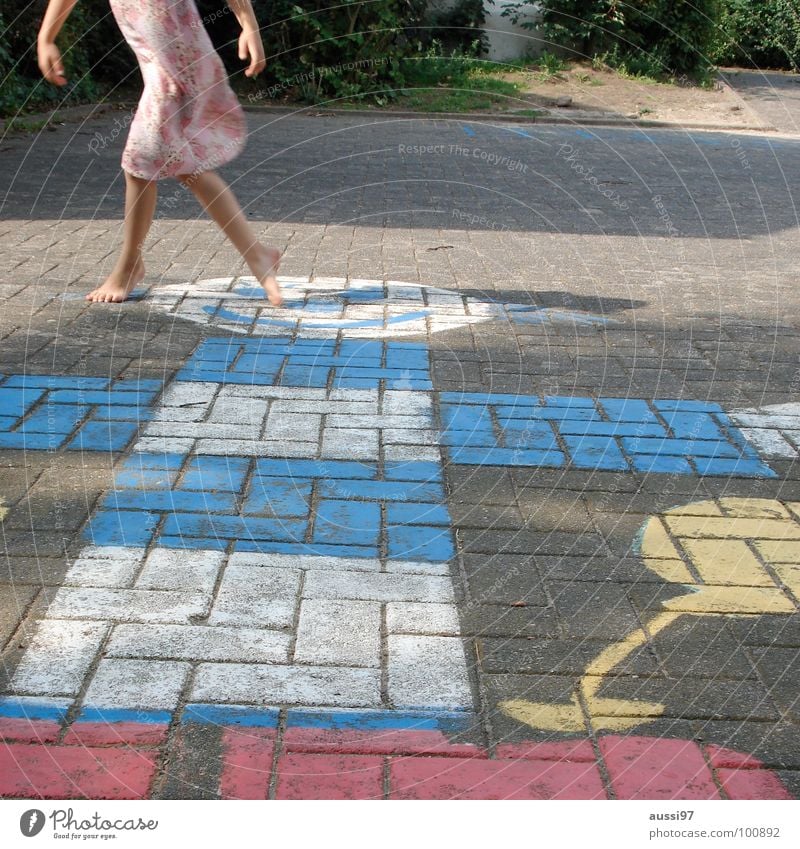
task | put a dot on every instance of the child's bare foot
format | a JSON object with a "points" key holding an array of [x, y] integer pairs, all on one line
{"points": [[118, 285], [265, 267]]}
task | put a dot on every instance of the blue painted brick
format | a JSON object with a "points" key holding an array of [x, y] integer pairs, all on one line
{"points": [[628, 410], [681, 405], [381, 490], [481, 399], [121, 527], [153, 461], [279, 497], [122, 413], [16, 402], [52, 381], [233, 527], [32, 441], [347, 522], [401, 359], [137, 384], [357, 348], [226, 474], [410, 513], [576, 428], [169, 500], [466, 418], [420, 543], [680, 447], [465, 438], [7, 422], [506, 457], [412, 470], [145, 479], [341, 469], [249, 363], [745, 468], [94, 396], [595, 452], [208, 543], [316, 378], [55, 418], [226, 352], [661, 463], [529, 438], [409, 383], [693, 425], [568, 401], [103, 436], [548, 413]]}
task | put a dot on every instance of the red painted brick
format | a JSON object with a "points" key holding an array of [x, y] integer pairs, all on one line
{"points": [[655, 768], [69, 772], [752, 784], [115, 734], [29, 730], [729, 759], [569, 750], [446, 778], [303, 776], [390, 742], [247, 762]]}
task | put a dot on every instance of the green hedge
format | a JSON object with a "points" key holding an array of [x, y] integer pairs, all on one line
{"points": [[314, 50], [759, 34], [653, 37]]}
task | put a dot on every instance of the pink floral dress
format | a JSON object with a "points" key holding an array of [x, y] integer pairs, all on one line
{"points": [[188, 119]]}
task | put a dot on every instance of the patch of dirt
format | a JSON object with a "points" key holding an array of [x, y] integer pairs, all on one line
{"points": [[583, 92]]}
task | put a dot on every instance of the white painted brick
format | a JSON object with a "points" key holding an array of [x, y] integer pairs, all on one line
{"points": [[58, 657], [96, 572], [180, 414], [176, 569], [304, 561], [767, 420], [381, 422], [404, 453], [349, 444], [300, 393], [378, 587], [137, 684], [199, 642], [252, 595], [416, 567], [112, 552], [415, 437], [239, 411], [203, 430], [182, 392], [428, 672], [163, 445], [769, 443], [257, 448], [127, 605], [342, 633], [351, 395], [345, 408], [300, 427], [404, 617], [298, 685], [407, 403]]}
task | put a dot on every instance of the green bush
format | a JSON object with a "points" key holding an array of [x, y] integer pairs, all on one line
{"points": [[759, 34], [659, 38]]}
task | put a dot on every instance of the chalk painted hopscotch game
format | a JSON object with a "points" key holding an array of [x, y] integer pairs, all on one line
{"points": [[278, 533]]}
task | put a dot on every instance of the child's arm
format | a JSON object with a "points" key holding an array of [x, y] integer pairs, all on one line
{"points": [[47, 54], [250, 45]]}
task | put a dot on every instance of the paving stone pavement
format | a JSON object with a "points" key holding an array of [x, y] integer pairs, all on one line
{"points": [[509, 482]]}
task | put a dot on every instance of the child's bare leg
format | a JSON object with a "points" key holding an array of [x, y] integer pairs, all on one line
{"points": [[220, 203], [140, 206]]}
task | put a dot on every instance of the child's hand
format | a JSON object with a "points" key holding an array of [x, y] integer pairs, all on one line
{"points": [[50, 64], [251, 47]]}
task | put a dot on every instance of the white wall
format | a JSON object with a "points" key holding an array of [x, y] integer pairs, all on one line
{"points": [[509, 41]]}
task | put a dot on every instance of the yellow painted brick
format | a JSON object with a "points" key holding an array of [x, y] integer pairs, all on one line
{"points": [[794, 506], [732, 601], [656, 543], [754, 508], [727, 561], [779, 551], [790, 575], [698, 508], [672, 571], [733, 528]]}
